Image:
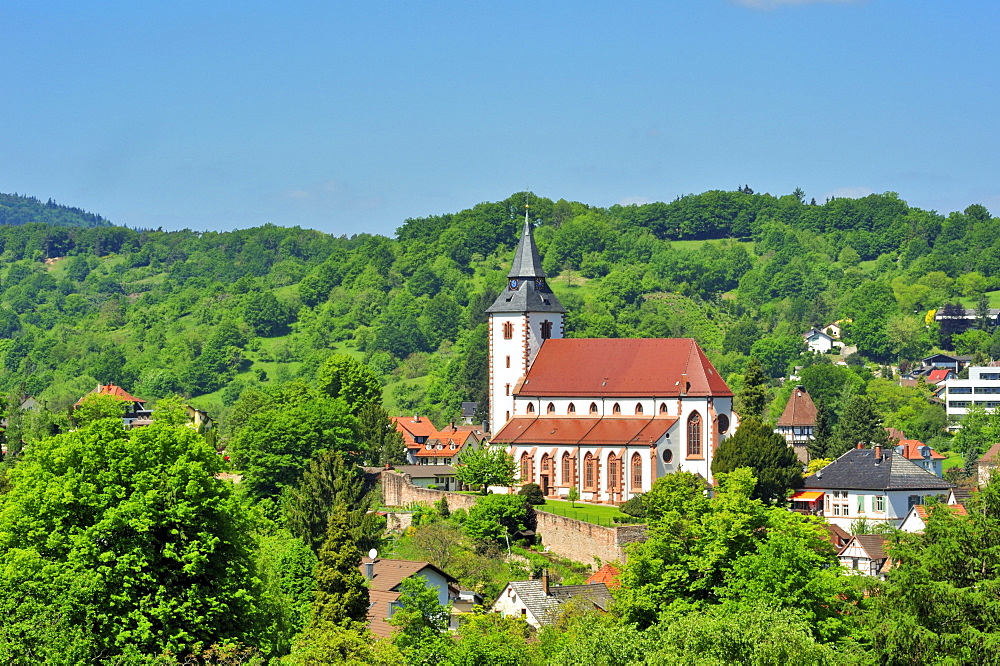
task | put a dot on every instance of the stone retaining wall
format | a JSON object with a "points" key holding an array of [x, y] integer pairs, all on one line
{"points": [[567, 537]]}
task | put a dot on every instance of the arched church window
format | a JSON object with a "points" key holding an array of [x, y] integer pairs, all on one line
{"points": [[614, 473], [593, 408], [589, 471], [663, 408], [571, 409], [694, 434], [550, 409], [567, 470], [531, 408], [526, 465], [508, 330], [617, 409], [636, 471], [545, 463], [638, 408]]}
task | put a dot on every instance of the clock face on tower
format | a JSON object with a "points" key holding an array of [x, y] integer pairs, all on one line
{"points": [[539, 283], [513, 283]]}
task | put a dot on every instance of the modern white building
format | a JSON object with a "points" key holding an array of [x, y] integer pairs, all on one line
{"points": [[608, 416], [981, 388]]}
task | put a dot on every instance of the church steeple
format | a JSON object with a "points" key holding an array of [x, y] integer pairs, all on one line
{"points": [[523, 316], [527, 290]]}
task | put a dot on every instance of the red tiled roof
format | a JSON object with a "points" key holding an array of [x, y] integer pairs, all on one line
{"points": [[959, 509], [115, 392], [938, 375], [911, 450], [992, 454], [388, 574], [422, 427], [800, 410], [608, 574], [642, 367], [378, 609], [617, 431]]}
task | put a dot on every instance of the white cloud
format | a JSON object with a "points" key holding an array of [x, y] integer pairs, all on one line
{"points": [[849, 193], [628, 201], [767, 5]]}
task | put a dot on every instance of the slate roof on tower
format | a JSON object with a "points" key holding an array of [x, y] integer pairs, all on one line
{"points": [[614, 367], [800, 410], [531, 292]]}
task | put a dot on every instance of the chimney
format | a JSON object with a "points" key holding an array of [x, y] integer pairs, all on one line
{"points": [[416, 418], [545, 582], [369, 570], [878, 453], [684, 384], [860, 446]]}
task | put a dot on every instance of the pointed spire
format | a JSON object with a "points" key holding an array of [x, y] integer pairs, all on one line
{"points": [[527, 264]]}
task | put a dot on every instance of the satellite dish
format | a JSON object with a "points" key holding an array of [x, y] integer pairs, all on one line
{"points": [[373, 553]]}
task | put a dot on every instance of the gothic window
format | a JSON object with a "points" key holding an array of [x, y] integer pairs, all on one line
{"points": [[636, 471], [571, 409], [551, 409], [617, 409], [663, 408], [589, 470], [508, 330], [593, 408], [526, 465], [567, 475], [546, 329], [638, 408], [531, 408], [545, 463], [694, 434], [613, 473]]}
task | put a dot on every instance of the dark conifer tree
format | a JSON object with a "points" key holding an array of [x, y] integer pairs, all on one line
{"points": [[859, 424], [754, 396], [341, 595], [757, 446]]}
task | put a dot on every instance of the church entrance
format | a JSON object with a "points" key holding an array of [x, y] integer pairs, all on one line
{"points": [[545, 484]]}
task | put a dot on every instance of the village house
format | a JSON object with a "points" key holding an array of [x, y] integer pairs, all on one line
{"points": [[987, 465], [384, 577], [135, 413], [608, 416], [920, 454], [426, 445], [798, 423], [916, 519], [864, 554], [819, 342], [540, 603], [877, 485]]}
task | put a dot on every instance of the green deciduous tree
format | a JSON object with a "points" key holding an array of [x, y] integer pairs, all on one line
{"points": [[342, 376], [494, 518], [756, 446], [485, 466], [142, 550], [421, 619]]}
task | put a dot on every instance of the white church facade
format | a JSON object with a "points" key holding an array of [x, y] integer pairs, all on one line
{"points": [[608, 416]]}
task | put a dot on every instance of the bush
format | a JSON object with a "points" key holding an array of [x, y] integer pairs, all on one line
{"points": [[532, 494], [628, 520], [635, 507]]}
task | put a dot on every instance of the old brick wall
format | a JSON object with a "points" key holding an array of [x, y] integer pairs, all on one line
{"points": [[566, 537]]}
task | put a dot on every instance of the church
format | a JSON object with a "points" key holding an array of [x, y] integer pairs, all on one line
{"points": [[608, 416]]}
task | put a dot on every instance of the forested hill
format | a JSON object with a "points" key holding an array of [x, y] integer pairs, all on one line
{"points": [[16, 210], [207, 314]]}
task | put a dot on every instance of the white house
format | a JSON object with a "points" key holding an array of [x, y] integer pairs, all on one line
{"points": [[877, 485], [608, 416], [819, 342], [539, 603], [981, 388], [916, 519], [864, 554]]}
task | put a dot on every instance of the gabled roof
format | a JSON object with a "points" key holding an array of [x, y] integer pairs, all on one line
{"points": [[992, 454], [911, 450], [597, 593], [815, 332], [800, 410], [923, 510], [413, 426], [596, 431], [545, 607], [858, 469], [872, 544], [378, 610], [837, 535], [622, 367], [388, 574], [939, 375], [608, 575], [114, 391]]}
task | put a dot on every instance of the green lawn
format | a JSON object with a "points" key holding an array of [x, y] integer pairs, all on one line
{"points": [[953, 459], [970, 302], [590, 513]]}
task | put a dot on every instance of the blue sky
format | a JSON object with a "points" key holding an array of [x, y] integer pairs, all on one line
{"points": [[352, 117]]}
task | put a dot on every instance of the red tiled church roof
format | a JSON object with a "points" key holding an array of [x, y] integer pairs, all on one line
{"points": [[644, 367], [800, 410]]}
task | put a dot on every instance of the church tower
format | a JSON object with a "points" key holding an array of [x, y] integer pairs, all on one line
{"points": [[525, 315]]}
